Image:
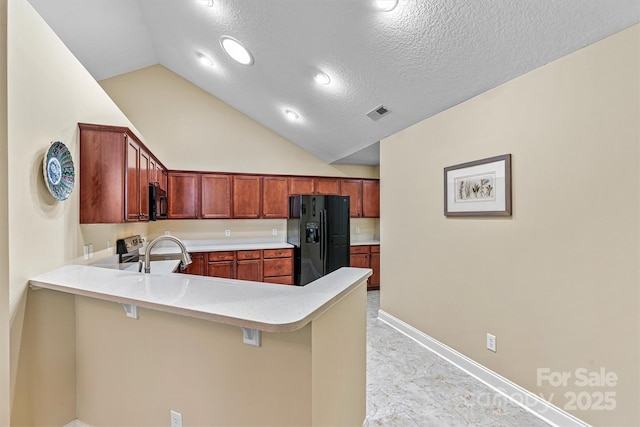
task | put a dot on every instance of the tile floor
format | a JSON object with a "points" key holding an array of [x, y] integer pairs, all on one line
{"points": [[408, 385]]}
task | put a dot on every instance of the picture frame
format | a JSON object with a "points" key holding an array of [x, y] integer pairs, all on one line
{"points": [[478, 188]]}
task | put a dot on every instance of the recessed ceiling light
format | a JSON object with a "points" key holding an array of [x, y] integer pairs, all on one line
{"points": [[236, 50], [321, 78], [208, 3], [386, 5], [291, 115], [205, 60]]}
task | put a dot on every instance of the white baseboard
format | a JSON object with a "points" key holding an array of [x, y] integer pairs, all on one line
{"points": [[520, 396]]}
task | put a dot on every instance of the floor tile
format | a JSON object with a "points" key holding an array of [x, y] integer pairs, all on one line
{"points": [[408, 385]]}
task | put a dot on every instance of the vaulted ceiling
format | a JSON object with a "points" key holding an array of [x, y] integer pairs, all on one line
{"points": [[416, 60]]}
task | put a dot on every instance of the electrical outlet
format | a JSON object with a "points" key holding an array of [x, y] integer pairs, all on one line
{"points": [[167, 233], [86, 252], [109, 249], [90, 245], [491, 342], [227, 233], [357, 229], [176, 419], [274, 231]]}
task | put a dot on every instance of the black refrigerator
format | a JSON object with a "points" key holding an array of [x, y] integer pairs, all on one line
{"points": [[318, 228]]}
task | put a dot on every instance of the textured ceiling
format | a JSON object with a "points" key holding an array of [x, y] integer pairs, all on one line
{"points": [[417, 60]]}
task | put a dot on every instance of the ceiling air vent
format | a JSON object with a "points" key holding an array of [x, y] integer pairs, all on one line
{"points": [[378, 112]]}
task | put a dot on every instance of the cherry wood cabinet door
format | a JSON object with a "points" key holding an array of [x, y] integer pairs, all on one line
{"points": [[374, 281], [224, 269], [300, 185], [353, 189], [143, 187], [183, 195], [133, 180], [371, 198], [102, 188], [216, 196], [198, 264], [275, 197], [327, 186], [249, 270], [360, 260], [247, 191]]}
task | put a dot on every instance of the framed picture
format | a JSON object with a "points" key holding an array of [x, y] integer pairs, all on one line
{"points": [[478, 188]]}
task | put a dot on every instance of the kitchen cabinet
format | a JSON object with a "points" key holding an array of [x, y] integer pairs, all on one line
{"points": [[249, 265], [374, 282], [198, 264], [275, 197], [327, 186], [353, 189], [365, 256], [371, 198], [114, 171], [247, 190], [277, 266], [222, 264], [301, 185], [216, 196], [184, 195]]}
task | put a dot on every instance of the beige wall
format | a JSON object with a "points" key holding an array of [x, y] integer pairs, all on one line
{"points": [[558, 282], [4, 227], [191, 130], [134, 372], [49, 92]]}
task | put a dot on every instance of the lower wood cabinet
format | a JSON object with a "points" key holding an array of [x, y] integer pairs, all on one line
{"points": [[278, 266], [198, 264], [222, 264], [249, 265], [365, 256], [269, 265]]}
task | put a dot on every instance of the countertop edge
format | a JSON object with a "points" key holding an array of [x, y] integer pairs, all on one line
{"points": [[288, 326]]}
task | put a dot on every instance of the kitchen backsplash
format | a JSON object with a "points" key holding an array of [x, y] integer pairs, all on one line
{"points": [[102, 237]]}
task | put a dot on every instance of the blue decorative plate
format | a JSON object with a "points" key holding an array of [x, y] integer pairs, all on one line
{"points": [[59, 173]]}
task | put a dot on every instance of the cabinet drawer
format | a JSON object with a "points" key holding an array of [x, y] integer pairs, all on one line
{"points": [[248, 255], [277, 267], [360, 249], [278, 253], [375, 249], [280, 280], [221, 256]]}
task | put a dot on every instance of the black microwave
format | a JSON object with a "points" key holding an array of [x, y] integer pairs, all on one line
{"points": [[158, 206]]}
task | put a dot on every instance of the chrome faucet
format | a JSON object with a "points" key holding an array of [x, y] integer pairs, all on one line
{"points": [[186, 258]]}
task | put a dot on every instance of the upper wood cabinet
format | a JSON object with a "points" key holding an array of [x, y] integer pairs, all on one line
{"points": [[247, 192], [216, 196], [183, 195], [115, 172], [370, 198], [301, 185], [353, 189], [327, 186], [275, 197]]}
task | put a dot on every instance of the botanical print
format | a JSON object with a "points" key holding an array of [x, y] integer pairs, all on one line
{"points": [[475, 188]]}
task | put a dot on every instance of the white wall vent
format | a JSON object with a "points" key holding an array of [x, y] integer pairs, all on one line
{"points": [[378, 112]]}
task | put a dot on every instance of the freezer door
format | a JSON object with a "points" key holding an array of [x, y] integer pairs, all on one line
{"points": [[337, 233]]}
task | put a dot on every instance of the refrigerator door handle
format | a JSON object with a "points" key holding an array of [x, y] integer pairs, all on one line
{"points": [[324, 240], [321, 232]]}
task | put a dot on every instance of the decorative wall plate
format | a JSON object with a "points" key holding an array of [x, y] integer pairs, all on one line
{"points": [[59, 173]]}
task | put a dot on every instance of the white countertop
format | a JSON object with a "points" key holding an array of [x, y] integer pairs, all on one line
{"points": [[365, 242], [263, 306]]}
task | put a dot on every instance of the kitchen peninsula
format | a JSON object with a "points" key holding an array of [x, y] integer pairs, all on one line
{"points": [[185, 350]]}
